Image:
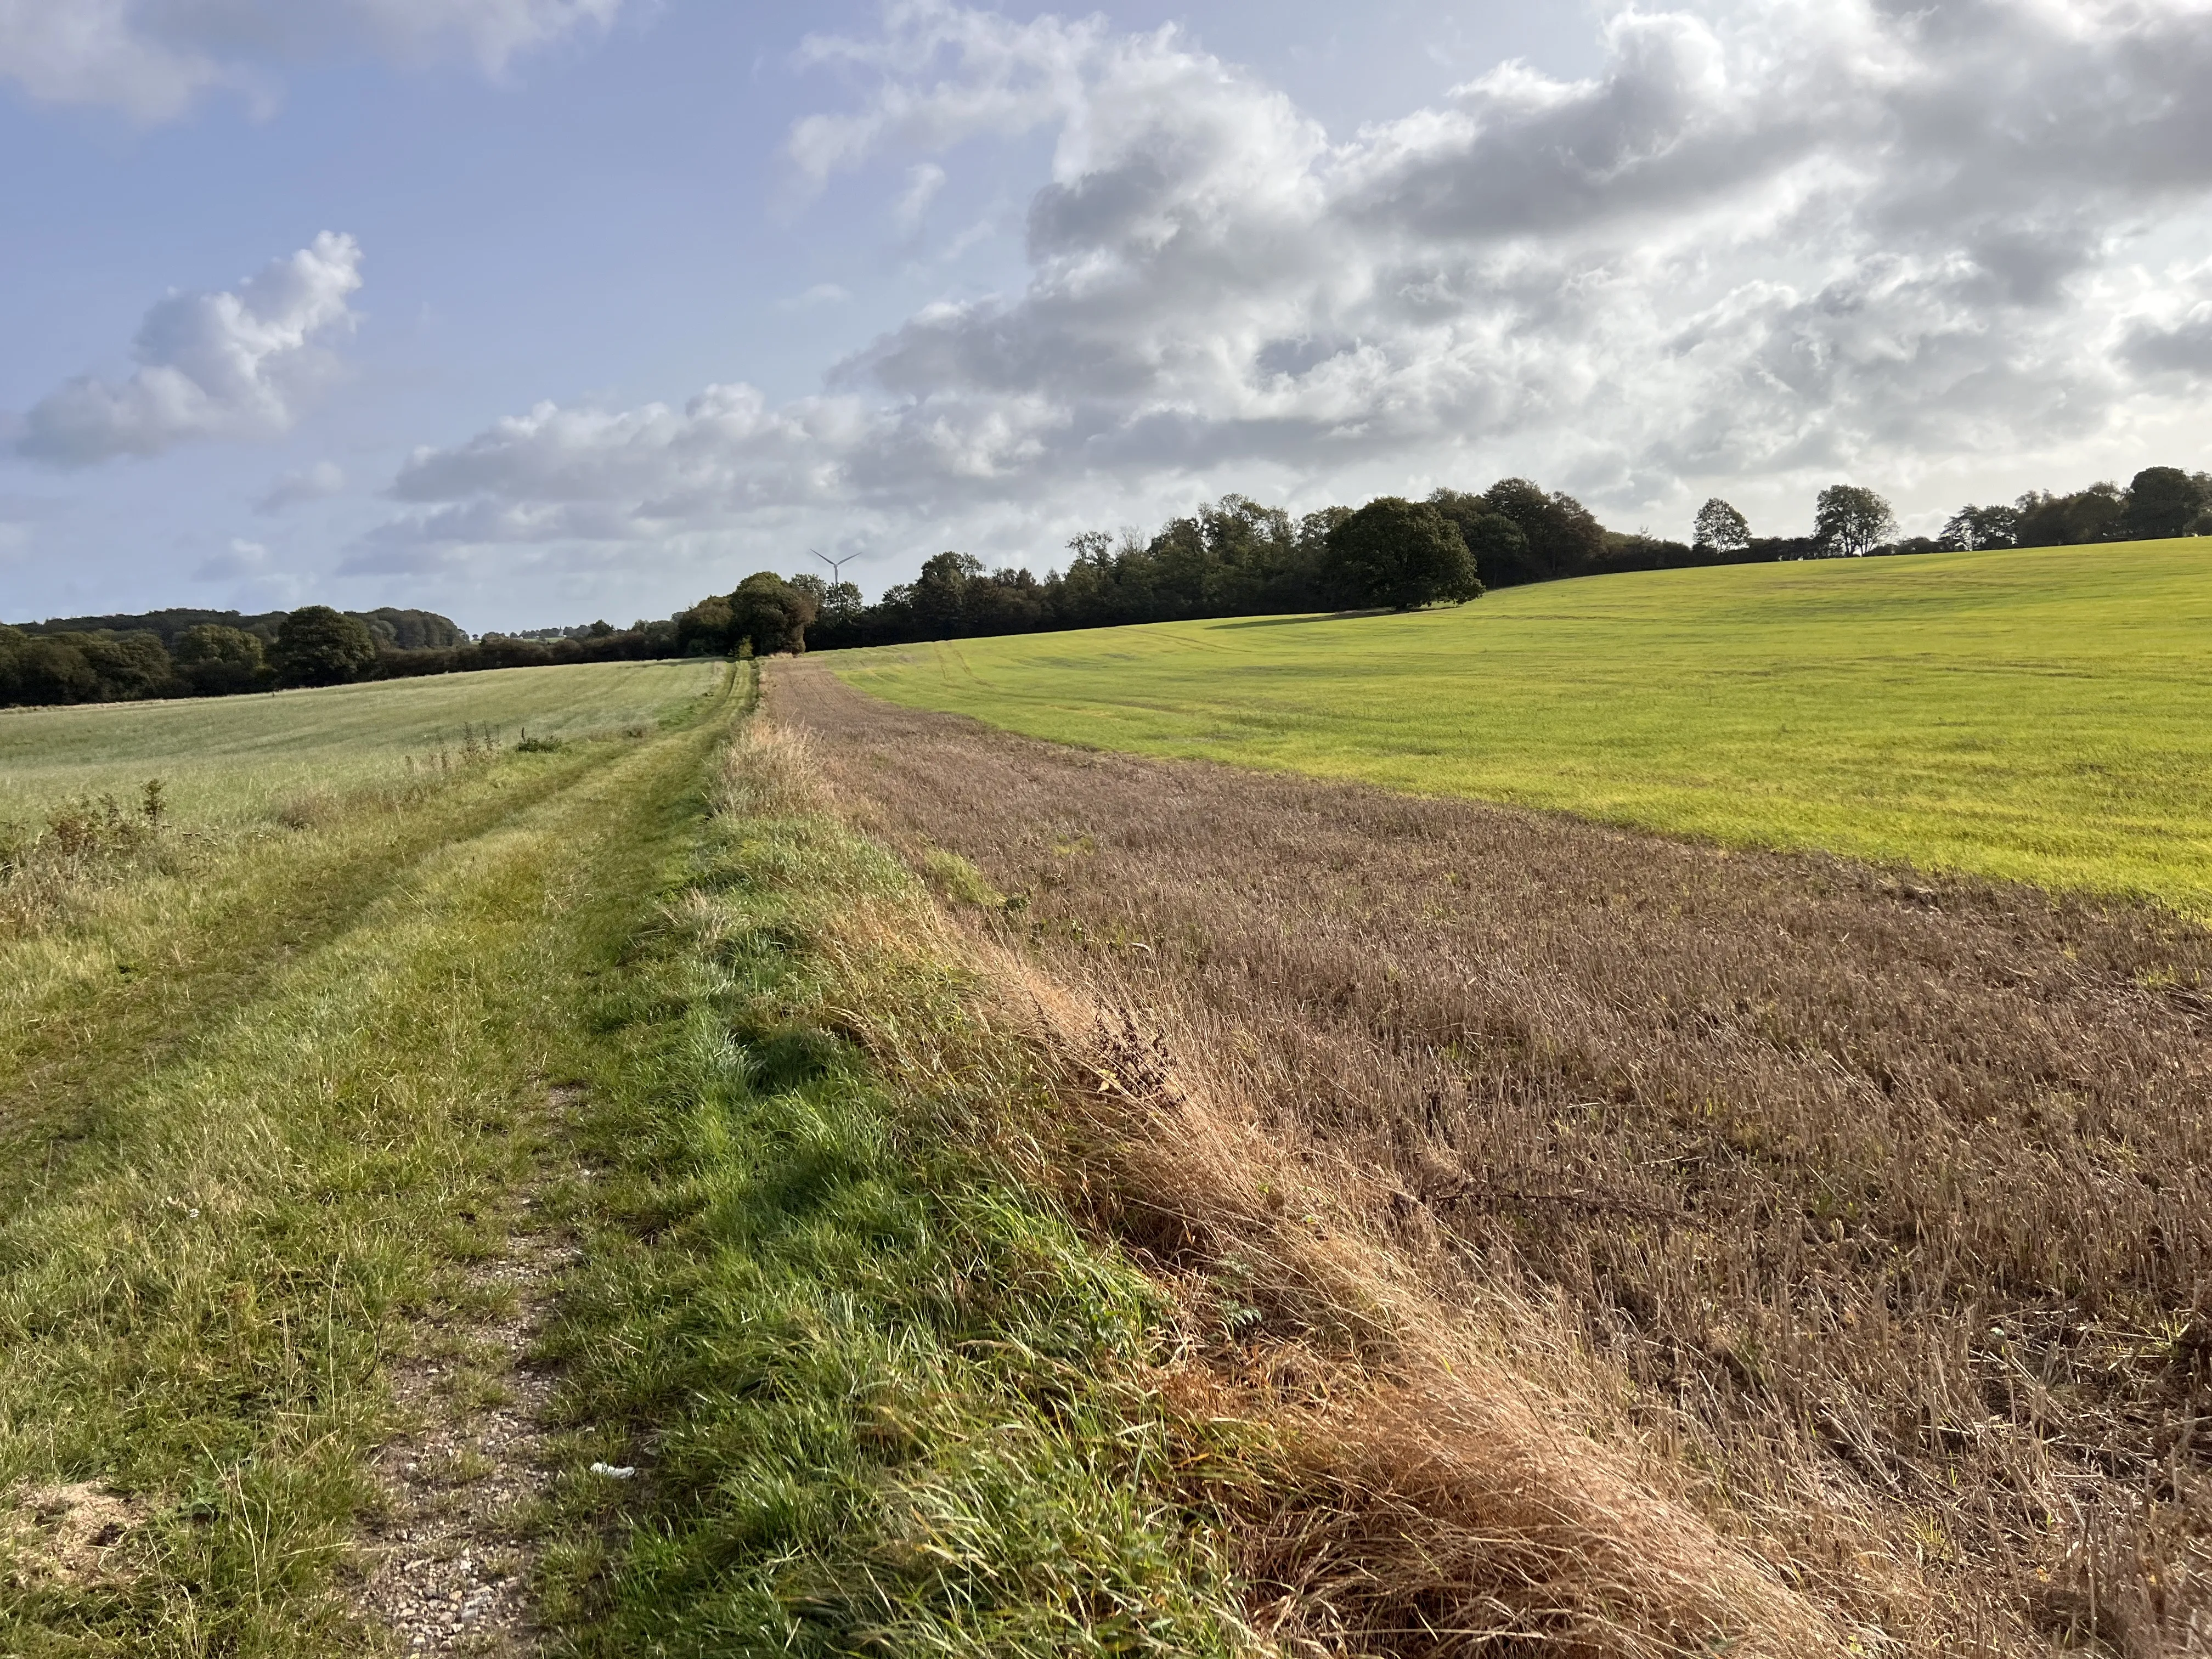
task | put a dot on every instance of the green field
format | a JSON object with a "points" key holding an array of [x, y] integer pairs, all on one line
{"points": [[2043, 715], [224, 758], [288, 1105]]}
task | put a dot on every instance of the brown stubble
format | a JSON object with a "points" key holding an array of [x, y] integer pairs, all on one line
{"points": [[1883, 1197]]}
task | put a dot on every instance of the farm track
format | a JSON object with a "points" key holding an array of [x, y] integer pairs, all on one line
{"points": [[246, 1210], [1880, 1198], [69, 1055]]}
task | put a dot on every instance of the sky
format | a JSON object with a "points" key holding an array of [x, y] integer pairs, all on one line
{"points": [[533, 312]]}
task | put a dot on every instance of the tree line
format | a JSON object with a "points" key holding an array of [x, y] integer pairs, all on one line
{"points": [[1238, 557], [212, 653], [1231, 557]]}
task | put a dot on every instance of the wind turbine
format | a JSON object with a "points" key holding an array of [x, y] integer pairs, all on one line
{"points": [[836, 565]]}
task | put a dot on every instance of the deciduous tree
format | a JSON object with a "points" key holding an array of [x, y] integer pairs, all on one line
{"points": [[1849, 520], [1719, 528], [318, 645], [1399, 553], [2161, 501]]}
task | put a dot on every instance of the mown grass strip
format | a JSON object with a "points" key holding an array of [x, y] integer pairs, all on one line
{"points": [[880, 1399], [197, 1321]]}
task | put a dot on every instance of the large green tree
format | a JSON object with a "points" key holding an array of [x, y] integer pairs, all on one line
{"points": [[1719, 528], [1399, 553], [1849, 521], [771, 613], [2162, 500], [1559, 535], [1971, 528], [318, 645], [216, 661], [2086, 515]]}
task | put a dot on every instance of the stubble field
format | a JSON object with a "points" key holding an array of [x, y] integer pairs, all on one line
{"points": [[1866, 1219]]}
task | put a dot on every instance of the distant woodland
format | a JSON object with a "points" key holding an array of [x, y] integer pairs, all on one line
{"points": [[1232, 557]]}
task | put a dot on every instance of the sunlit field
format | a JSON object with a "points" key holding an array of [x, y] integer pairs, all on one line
{"points": [[2043, 715], [224, 758]]}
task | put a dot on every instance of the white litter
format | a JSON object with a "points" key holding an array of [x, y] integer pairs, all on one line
{"points": [[614, 1472]]}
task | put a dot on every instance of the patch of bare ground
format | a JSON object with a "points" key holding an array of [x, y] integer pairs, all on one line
{"points": [[448, 1556], [71, 1533], [1609, 1218]]}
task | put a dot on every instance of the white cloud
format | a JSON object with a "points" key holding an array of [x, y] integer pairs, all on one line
{"points": [[153, 58], [1775, 242], [822, 293], [243, 559], [315, 484], [923, 181], [222, 365]]}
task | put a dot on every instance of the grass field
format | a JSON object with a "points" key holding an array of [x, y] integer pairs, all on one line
{"points": [[2043, 715], [226, 758], [592, 1199], [298, 1121]]}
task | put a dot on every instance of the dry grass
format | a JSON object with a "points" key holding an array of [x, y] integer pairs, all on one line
{"points": [[1859, 1216], [1500, 1526], [68, 1533]]}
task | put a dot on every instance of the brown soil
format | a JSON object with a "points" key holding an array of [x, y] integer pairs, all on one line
{"points": [[1886, 1199]]}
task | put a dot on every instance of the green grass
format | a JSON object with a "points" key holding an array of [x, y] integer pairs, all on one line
{"points": [[2041, 715], [264, 1098], [885, 1398], [248, 1165], [226, 759]]}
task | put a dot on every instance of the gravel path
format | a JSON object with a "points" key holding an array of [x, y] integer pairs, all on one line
{"points": [[450, 1554]]}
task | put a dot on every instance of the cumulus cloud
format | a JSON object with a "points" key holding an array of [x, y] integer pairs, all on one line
{"points": [[231, 364], [314, 484], [1781, 239], [153, 58]]}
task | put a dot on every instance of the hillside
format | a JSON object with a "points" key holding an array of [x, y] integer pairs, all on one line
{"points": [[2035, 714]]}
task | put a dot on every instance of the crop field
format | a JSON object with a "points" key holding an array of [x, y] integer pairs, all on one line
{"points": [[2041, 715], [1861, 1220], [225, 759], [760, 1169]]}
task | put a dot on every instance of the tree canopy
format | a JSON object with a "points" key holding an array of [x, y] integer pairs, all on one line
{"points": [[1720, 527], [318, 645], [1849, 521], [1399, 553]]}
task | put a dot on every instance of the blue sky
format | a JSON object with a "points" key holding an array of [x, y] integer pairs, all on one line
{"points": [[533, 311]]}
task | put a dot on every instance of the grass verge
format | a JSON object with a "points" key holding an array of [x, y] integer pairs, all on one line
{"points": [[883, 1390], [881, 1398]]}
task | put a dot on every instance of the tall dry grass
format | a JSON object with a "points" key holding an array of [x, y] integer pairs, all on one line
{"points": [[1856, 1217]]}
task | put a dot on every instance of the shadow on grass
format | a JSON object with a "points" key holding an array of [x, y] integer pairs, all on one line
{"points": [[1318, 617]]}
